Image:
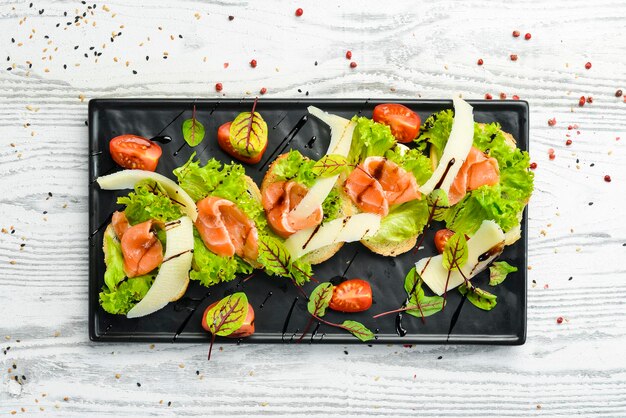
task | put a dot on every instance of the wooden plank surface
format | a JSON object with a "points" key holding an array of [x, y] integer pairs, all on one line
{"points": [[577, 235]]}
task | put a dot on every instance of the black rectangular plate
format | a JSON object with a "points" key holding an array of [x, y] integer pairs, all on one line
{"points": [[273, 297]]}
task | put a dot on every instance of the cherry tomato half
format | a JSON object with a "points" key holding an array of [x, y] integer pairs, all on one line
{"points": [[135, 152], [404, 123], [246, 329], [441, 238], [223, 140], [353, 295]]}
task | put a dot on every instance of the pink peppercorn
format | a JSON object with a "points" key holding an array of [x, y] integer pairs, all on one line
{"points": [[516, 34], [527, 36], [559, 320], [552, 122], [588, 65], [353, 64], [568, 142], [533, 165], [480, 61], [607, 178], [218, 87], [513, 57], [299, 12], [253, 63], [502, 96], [348, 55], [581, 101], [263, 90], [488, 96]]}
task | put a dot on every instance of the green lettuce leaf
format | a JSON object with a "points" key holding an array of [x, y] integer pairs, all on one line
{"points": [[209, 268], [120, 294], [403, 222], [331, 206], [498, 272], [436, 130], [295, 167], [369, 139], [149, 201]]}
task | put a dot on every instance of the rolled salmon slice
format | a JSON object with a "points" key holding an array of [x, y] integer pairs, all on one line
{"points": [[141, 249], [279, 200], [225, 229], [477, 170], [378, 183]]}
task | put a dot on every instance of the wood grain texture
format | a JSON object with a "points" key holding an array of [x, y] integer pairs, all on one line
{"points": [[413, 49]]}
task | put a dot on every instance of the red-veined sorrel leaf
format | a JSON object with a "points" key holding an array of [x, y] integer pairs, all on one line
{"points": [[330, 165], [274, 256], [455, 252], [319, 299], [248, 133], [498, 272], [228, 314], [426, 305], [193, 130], [479, 298], [358, 330]]}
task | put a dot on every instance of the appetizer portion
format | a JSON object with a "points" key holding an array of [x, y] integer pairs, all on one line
{"points": [[385, 181], [141, 277], [226, 236]]}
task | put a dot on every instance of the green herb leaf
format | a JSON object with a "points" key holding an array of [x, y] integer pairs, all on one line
{"points": [[479, 298], [455, 252], [426, 305], [358, 330], [319, 299], [228, 314], [274, 256], [498, 272], [330, 165], [193, 131], [248, 133]]}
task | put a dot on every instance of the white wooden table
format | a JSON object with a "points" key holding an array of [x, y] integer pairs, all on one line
{"points": [[577, 251]]}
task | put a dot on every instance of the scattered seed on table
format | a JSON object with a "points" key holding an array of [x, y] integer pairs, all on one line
{"points": [[480, 61], [488, 96], [581, 101], [348, 55], [514, 57], [527, 36], [299, 12], [218, 87], [607, 178], [588, 65], [353, 64], [516, 34], [231, 17], [618, 93], [253, 63]]}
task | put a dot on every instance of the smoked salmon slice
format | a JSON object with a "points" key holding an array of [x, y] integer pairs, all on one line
{"points": [[120, 223], [141, 249], [225, 229], [477, 170], [279, 199], [378, 183]]}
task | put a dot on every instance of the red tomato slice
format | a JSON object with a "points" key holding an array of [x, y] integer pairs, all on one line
{"points": [[351, 296], [246, 329], [223, 140], [441, 238], [404, 123], [135, 152]]}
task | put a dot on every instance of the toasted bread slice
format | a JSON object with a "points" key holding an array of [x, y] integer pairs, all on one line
{"points": [[322, 254], [111, 233]]}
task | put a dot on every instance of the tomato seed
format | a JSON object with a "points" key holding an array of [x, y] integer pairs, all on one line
{"points": [[516, 34], [607, 178], [488, 96], [218, 87], [588, 65], [527, 36], [480, 61], [552, 122], [513, 57], [253, 63], [353, 64], [299, 12], [581, 101], [348, 54]]}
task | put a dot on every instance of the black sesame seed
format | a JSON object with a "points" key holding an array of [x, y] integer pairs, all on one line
{"points": [[86, 123], [570, 278], [134, 72], [299, 90], [180, 36], [91, 48], [590, 203], [76, 47], [147, 58], [138, 384], [23, 377], [86, 55], [169, 404], [231, 17], [13, 40], [64, 13], [439, 358], [14, 366], [65, 66], [50, 194], [197, 372], [22, 245], [30, 5], [592, 164], [30, 66], [45, 212], [41, 11], [46, 37], [345, 352], [58, 24], [9, 68], [8, 58]]}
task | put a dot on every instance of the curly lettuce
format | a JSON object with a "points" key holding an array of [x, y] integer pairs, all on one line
{"points": [[502, 202], [149, 201], [119, 294], [369, 139], [403, 222], [296, 167], [412, 161], [209, 268]]}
